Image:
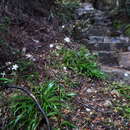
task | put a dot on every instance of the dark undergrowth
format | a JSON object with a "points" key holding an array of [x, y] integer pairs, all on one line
{"points": [[56, 70]]}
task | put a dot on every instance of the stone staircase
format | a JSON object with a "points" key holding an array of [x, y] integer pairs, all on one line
{"points": [[112, 47]]}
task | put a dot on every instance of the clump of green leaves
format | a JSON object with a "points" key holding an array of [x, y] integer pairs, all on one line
{"points": [[26, 116], [66, 10], [82, 62], [4, 81], [124, 91]]}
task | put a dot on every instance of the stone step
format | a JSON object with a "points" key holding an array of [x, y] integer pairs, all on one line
{"points": [[108, 39], [112, 58], [117, 74], [98, 31], [124, 60], [107, 43], [101, 21], [109, 58]]}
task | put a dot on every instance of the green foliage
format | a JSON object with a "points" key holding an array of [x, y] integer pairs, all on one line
{"points": [[124, 91], [67, 123], [127, 31], [26, 116], [125, 27], [27, 70], [68, 81], [117, 24], [4, 24], [66, 10], [4, 81], [82, 62]]}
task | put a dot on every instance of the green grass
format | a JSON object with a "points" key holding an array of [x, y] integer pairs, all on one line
{"points": [[82, 62], [66, 10], [52, 98]]}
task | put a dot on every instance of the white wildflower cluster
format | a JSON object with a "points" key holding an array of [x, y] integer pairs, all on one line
{"points": [[58, 47], [30, 57], [11, 66]]}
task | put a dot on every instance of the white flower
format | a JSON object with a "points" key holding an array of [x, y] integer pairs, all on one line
{"points": [[8, 63], [29, 56], [67, 39], [15, 67], [63, 26], [33, 59], [3, 74], [125, 74], [64, 68], [36, 41], [24, 50], [58, 47], [51, 45], [88, 110]]}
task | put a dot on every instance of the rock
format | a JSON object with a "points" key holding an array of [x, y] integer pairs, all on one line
{"points": [[124, 60], [86, 8], [107, 103], [91, 90], [88, 110], [117, 74], [128, 48], [108, 58]]}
